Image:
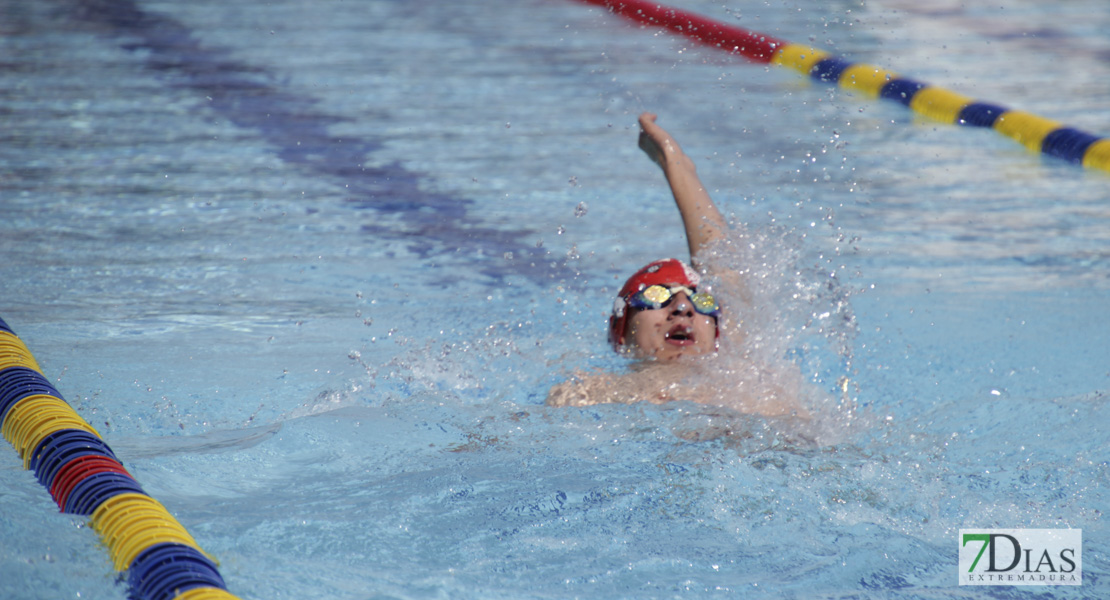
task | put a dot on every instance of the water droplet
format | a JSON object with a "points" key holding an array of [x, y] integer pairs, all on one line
{"points": [[580, 210]]}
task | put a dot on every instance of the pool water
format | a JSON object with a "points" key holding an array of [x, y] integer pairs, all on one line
{"points": [[311, 268]]}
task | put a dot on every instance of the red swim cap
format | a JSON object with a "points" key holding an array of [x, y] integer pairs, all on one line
{"points": [[668, 272]]}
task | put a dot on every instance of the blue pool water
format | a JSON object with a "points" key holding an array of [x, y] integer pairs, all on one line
{"points": [[310, 269]]}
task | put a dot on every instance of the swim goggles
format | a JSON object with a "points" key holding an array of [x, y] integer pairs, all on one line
{"points": [[658, 296]]}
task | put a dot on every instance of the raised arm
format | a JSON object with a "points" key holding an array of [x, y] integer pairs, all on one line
{"points": [[700, 216]]}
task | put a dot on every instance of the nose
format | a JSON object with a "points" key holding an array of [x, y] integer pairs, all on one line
{"points": [[682, 306]]}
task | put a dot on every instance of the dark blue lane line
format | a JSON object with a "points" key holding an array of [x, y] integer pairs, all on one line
{"points": [[433, 224]]}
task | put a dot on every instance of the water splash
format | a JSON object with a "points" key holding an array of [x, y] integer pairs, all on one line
{"points": [[788, 330]]}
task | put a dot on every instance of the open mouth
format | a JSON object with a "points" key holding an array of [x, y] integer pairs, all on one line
{"points": [[681, 335]]}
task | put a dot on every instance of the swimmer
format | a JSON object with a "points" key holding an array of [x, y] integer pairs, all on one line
{"points": [[673, 327]]}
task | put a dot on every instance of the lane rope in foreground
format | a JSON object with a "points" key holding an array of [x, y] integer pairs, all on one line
{"points": [[1036, 133], [84, 477]]}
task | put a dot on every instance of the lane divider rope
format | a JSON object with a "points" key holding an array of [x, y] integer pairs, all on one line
{"points": [[84, 477], [1036, 133]]}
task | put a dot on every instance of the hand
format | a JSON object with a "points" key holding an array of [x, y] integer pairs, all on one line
{"points": [[661, 146], [648, 144]]}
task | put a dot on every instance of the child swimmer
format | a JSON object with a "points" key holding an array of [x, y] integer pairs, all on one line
{"points": [[674, 329]]}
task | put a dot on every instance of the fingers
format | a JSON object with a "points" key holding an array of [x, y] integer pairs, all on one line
{"points": [[660, 136], [650, 127], [656, 142]]}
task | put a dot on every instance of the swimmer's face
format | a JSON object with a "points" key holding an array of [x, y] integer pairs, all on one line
{"points": [[671, 332]]}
